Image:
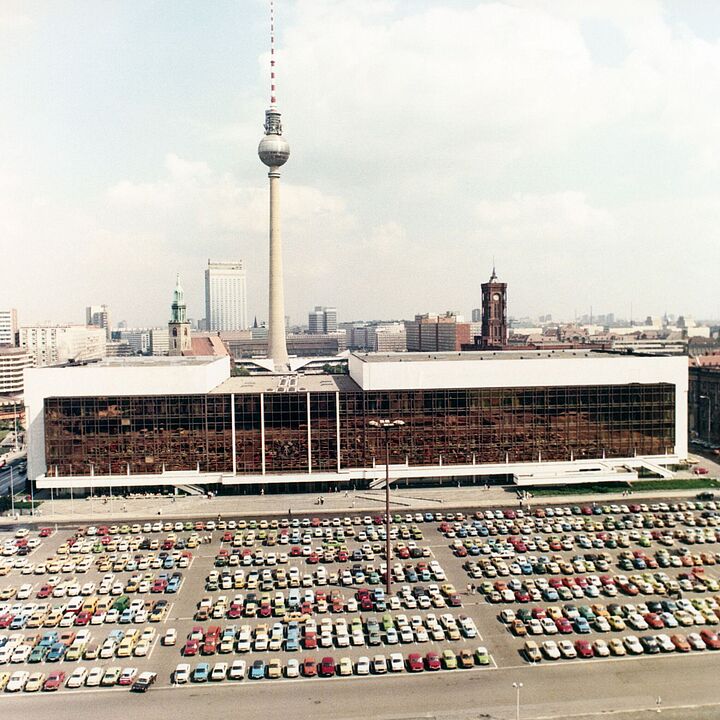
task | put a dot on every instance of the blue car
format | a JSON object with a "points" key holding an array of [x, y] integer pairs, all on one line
{"points": [[127, 616], [257, 670], [57, 652], [201, 673], [582, 625]]}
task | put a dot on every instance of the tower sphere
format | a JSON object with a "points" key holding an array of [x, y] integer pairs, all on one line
{"points": [[274, 150]]}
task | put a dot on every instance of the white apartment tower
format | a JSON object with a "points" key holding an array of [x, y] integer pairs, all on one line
{"points": [[225, 296], [8, 327]]}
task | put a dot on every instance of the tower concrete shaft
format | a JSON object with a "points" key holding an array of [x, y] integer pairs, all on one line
{"points": [[277, 345]]}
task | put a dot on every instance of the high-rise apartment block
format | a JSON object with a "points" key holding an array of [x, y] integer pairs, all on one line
{"points": [[8, 327], [98, 316], [322, 320], [57, 344], [13, 362], [225, 296]]}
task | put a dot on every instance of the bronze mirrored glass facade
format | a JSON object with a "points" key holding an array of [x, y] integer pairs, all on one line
{"points": [[300, 430]]}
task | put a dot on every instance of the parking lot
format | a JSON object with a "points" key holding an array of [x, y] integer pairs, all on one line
{"points": [[221, 602]]}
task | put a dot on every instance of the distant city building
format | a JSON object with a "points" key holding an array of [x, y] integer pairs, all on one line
{"points": [[119, 348], [13, 362], [298, 344], [8, 327], [98, 316], [322, 320], [178, 327], [476, 315], [437, 333], [494, 313], [57, 344], [159, 341], [138, 339], [225, 296], [390, 338]]}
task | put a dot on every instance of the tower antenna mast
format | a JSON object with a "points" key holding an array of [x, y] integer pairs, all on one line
{"points": [[274, 152]]}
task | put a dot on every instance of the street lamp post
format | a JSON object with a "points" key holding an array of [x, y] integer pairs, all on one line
{"points": [[709, 413], [387, 426], [518, 687], [12, 492]]}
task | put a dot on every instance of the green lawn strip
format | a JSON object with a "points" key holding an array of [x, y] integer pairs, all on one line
{"points": [[699, 483]]}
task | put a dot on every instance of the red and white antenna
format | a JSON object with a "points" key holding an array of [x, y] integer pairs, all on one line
{"points": [[272, 52]]}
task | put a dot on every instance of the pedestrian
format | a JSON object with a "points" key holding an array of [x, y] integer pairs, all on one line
{"points": [[487, 487], [289, 512], [346, 493]]}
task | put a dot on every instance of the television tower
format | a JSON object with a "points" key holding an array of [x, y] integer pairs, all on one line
{"points": [[274, 152]]}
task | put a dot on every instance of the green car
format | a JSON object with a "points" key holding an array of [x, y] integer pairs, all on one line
{"points": [[449, 660], [481, 656], [387, 622]]}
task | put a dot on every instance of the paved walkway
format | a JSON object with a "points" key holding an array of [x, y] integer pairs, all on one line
{"points": [[362, 501]]}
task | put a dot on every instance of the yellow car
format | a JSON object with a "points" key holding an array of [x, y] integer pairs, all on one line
{"points": [[35, 682], [4, 677]]}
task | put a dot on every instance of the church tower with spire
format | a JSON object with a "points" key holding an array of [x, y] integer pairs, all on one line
{"points": [[179, 327], [494, 312]]}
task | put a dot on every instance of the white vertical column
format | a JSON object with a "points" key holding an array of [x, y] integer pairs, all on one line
{"points": [[262, 430], [337, 428], [277, 349], [309, 436], [232, 427]]}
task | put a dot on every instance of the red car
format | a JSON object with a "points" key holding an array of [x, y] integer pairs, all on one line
{"points": [[45, 591], [454, 601], [710, 639], [127, 678], [584, 649], [310, 641], [326, 667], [54, 680], [654, 621], [309, 668], [432, 661], [83, 618], [564, 626], [415, 663], [45, 532], [191, 647]]}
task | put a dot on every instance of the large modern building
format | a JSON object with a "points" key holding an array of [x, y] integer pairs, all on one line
{"points": [[552, 417], [437, 333], [225, 296]]}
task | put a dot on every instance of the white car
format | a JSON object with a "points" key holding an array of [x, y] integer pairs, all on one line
{"points": [[397, 663], [94, 677], [550, 650], [363, 666], [182, 673], [78, 677], [17, 681], [170, 637], [219, 671], [292, 669]]}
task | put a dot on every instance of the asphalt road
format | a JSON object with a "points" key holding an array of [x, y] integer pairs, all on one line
{"points": [[549, 691]]}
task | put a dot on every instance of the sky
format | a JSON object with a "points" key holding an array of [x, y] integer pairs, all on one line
{"points": [[576, 143]]}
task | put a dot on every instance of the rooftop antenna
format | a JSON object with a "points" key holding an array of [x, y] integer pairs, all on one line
{"points": [[272, 52]]}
